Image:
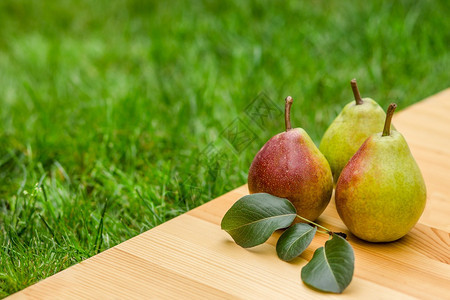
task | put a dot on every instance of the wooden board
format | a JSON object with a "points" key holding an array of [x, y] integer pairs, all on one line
{"points": [[191, 257]]}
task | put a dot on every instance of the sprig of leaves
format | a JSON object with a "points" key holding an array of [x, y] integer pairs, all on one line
{"points": [[254, 218]]}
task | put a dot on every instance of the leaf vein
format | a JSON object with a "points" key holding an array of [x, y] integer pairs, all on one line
{"points": [[260, 220]]}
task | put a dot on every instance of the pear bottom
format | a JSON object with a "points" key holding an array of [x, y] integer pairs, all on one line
{"points": [[379, 214], [378, 229]]}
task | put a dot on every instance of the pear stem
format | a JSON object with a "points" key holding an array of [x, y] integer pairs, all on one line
{"points": [[287, 112], [355, 89], [387, 123]]}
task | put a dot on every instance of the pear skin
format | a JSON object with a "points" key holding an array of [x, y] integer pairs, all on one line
{"points": [[290, 166], [357, 121], [381, 194]]}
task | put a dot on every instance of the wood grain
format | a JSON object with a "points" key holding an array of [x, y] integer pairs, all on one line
{"points": [[191, 257]]}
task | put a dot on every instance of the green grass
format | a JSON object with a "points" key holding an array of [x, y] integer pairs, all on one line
{"points": [[107, 108]]}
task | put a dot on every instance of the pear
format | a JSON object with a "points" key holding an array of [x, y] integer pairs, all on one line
{"points": [[381, 193], [356, 122], [290, 166]]}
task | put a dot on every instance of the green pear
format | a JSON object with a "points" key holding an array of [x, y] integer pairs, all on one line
{"points": [[290, 166], [381, 193], [356, 122]]}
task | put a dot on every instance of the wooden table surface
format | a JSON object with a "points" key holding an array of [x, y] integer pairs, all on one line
{"points": [[191, 257]]}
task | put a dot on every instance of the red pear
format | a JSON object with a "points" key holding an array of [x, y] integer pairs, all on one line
{"points": [[290, 166]]}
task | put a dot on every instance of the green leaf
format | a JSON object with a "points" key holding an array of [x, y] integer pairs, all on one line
{"points": [[331, 268], [294, 241], [253, 218]]}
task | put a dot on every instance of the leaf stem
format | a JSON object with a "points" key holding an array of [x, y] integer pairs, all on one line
{"points": [[328, 231]]}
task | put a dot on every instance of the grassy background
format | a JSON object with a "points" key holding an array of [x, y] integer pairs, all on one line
{"points": [[107, 108]]}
